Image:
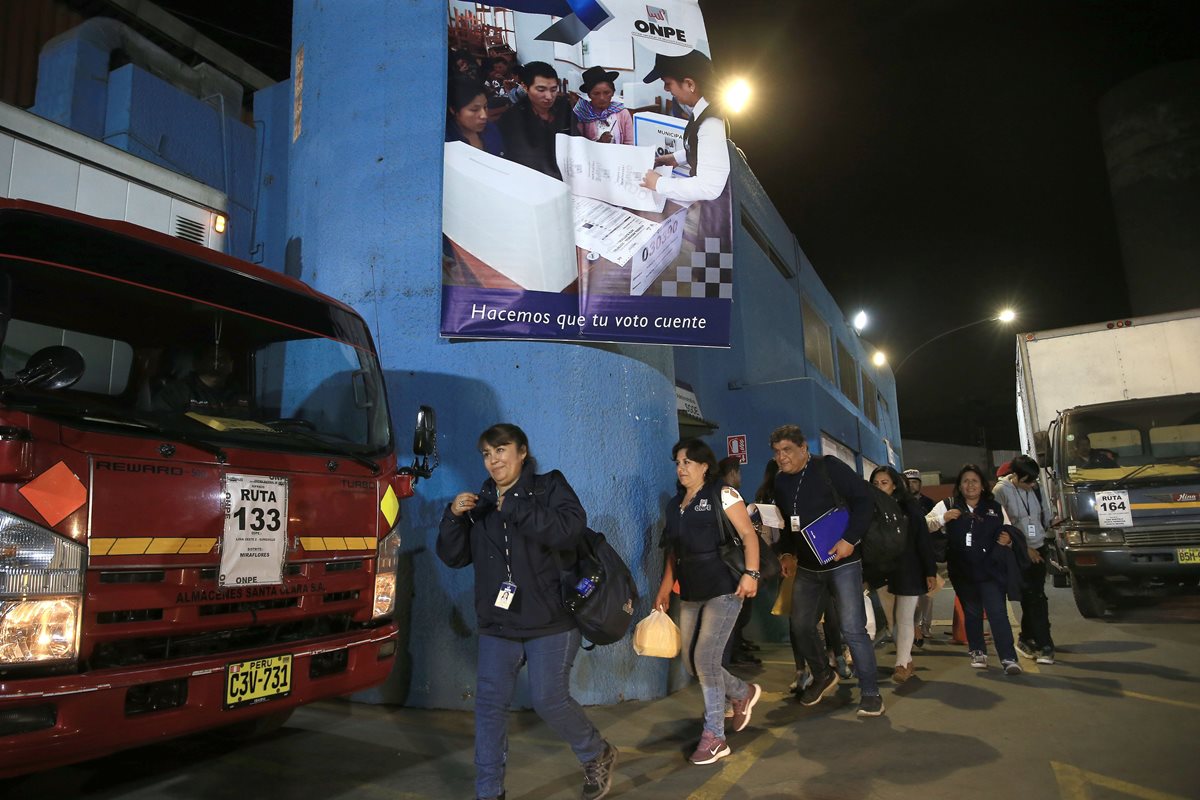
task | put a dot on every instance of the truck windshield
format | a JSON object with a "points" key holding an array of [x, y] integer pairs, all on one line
{"points": [[204, 354], [1137, 441]]}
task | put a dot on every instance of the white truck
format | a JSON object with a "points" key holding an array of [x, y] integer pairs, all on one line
{"points": [[1112, 411]]}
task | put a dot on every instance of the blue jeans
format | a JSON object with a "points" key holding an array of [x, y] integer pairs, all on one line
{"points": [[846, 583], [704, 626], [976, 598], [550, 659]]}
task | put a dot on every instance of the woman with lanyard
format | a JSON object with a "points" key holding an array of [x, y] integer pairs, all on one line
{"points": [[710, 595], [511, 532], [1018, 495], [976, 526]]}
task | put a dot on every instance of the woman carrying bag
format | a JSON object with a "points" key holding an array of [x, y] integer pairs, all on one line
{"points": [[710, 595]]}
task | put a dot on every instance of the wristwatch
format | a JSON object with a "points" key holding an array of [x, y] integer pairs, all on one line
{"points": [[753, 573]]}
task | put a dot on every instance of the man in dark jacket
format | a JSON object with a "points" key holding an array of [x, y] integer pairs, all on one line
{"points": [[531, 125], [805, 489]]}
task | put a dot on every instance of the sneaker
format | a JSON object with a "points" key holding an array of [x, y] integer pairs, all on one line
{"points": [[1026, 649], [711, 748], [978, 659], [597, 774], [1011, 667], [743, 707], [871, 705], [1046, 656], [902, 672], [821, 687]]}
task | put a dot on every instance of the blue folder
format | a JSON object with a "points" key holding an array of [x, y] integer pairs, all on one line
{"points": [[825, 531]]}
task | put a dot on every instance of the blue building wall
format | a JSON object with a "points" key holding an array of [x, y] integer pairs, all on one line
{"points": [[352, 204]]}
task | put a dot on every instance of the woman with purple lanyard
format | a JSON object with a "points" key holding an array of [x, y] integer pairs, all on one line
{"points": [[710, 595], [600, 119]]}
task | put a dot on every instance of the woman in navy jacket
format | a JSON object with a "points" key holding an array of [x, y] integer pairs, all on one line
{"points": [[512, 532], [976, 526]]}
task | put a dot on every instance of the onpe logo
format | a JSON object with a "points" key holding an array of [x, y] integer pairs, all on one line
{"points": [[653, 12]]}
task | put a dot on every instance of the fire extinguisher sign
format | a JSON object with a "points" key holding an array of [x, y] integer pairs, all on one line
{"points": [[736, 446]]}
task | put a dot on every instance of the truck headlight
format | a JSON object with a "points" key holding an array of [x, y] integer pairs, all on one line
{"points": [[41, 593], [1073, 537], [1106, 536], [386, 561]]}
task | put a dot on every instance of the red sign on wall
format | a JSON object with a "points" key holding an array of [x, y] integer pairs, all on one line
{"points": [[736, 446]]}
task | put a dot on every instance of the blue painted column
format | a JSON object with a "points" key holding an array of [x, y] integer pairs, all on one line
{"points": [[364, 225]]}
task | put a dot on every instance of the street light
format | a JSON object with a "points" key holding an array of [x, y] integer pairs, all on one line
{"points": [[860, 321], [879, 359], [736, 96], [1006, 316]]}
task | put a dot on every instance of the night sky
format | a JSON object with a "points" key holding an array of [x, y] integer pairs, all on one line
{"points": [[937, 159]]}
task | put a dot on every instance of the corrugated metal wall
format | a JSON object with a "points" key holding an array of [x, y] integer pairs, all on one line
{"points": [[26, 25]]}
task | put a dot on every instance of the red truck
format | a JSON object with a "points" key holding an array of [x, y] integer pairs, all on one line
{"points": [[199, 491]]}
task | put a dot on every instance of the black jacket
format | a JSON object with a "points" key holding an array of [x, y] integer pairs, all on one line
{"points": [[544, 522], [823, 483], [978, 562], [916, 563], [530, 140]]}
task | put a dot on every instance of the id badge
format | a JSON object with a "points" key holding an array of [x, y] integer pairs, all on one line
{"points": [[968, 545], [1031, 531], [795, 524], [508, 590]]}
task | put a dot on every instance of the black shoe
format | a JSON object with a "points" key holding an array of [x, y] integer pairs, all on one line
{"points": [[821, 687], [1026, 649], [744, 659], [871, 705], [749, 645], [597, 774]]}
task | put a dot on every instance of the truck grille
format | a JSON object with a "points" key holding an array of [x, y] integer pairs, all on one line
{"points": [[1162, 538], [145, 650]]}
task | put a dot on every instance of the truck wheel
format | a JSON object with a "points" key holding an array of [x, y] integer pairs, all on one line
{"points": [[1088, 597], [256, 728]]}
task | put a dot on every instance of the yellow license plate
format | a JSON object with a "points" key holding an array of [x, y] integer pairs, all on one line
{"points": [[1188, 555], [255, 681]]}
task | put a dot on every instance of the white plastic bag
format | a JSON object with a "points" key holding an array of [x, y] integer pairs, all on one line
{"points": [[870, 614], [657, 636]]}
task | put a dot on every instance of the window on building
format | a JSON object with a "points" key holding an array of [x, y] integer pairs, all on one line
{"points": [[764, 244], [844, 453], [818, 346], [869, 394], [847, 373]]}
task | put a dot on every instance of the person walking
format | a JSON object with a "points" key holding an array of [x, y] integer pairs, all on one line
{"points": [[914, 572], [805, 489], [710, 595], [511, 533], [1022, 502]]}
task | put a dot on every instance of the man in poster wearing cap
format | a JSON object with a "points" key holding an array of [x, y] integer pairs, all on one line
{"points": [[688, 78]]}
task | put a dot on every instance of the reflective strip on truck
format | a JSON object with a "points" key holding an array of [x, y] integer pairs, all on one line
{"points": [[151, 545]]}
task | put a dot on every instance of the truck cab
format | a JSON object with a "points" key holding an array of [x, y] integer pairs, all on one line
{"points": [[1126, 480], [199, 491]]}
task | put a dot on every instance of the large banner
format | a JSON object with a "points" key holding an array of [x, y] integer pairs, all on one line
{"points": [[586, 190]]}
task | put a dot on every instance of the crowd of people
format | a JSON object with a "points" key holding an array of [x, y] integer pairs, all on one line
{"points": [[516, 110], [519, 527]]}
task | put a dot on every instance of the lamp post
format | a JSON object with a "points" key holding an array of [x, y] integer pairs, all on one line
{"points": [[1006, 316]]}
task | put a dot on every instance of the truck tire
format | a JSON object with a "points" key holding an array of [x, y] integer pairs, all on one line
{"points": [[1088, 597]]}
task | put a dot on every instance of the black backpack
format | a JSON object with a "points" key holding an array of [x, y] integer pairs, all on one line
{"points": [[886, 536], [599, 590]]}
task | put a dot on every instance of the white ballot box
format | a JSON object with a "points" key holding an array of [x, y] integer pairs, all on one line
{"points": [[512, 218], [657, 253], [662, 132]]}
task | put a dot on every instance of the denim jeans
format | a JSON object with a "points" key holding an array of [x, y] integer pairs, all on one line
{"points": [[986, 596], [830, 626], [846, 583], [1035, 608], [550, 659], [704, 626]]}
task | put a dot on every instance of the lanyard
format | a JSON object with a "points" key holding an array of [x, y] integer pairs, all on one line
{"points": [[799, 483], [1024, 502]]}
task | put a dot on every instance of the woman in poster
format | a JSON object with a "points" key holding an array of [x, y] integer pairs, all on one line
{"points": [[601, 119], [467, 118]]}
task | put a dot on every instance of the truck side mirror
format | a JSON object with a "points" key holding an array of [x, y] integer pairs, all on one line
{"points": [[424, 444], [55, 367], [1041, 448]]}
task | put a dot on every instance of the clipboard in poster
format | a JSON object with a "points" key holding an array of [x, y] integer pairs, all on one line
{"points": [[825, 531]]}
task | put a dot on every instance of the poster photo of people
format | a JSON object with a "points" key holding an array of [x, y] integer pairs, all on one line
{"points": [[586, 187]]}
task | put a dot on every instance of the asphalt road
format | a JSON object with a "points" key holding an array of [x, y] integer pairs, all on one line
{"points": [[1117, 716]]}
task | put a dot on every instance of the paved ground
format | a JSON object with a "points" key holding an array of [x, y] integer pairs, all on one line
{"points": [[1118, 716]]}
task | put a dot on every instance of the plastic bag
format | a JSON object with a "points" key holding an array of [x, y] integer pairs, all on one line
{"points": [[657, 636], [870, 614]]}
